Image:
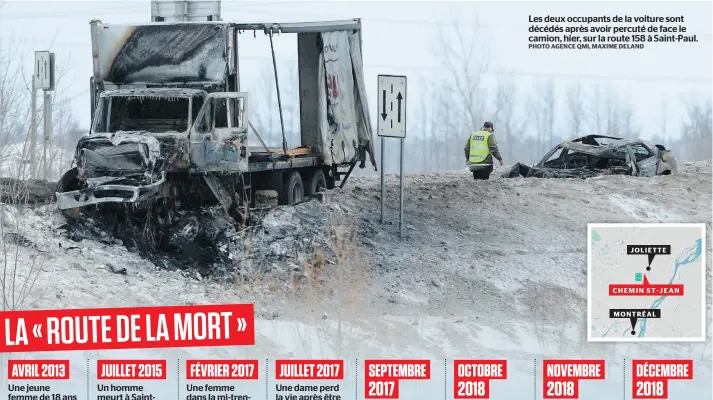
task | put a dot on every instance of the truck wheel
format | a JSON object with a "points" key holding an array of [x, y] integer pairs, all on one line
{"points": [[68, 183], [294, 189], [317, 183]]}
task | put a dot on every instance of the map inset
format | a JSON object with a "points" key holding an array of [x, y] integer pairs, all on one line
{"points": [[646, 282]]}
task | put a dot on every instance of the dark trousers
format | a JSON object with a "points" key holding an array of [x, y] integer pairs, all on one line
{"points": [[483, 174]]}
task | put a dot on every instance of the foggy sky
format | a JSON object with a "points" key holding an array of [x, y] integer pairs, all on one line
{"points": [[399, 38]]}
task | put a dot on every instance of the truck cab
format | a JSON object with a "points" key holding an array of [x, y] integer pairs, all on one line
{"points": [[138, 136]]}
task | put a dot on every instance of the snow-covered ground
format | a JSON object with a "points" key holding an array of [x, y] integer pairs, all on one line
{"points": [[488, 269]]}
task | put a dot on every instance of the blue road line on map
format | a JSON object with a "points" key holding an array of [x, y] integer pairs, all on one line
{"points": [[692, 256]]}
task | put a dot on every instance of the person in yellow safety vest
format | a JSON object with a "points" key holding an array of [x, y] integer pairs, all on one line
{"points": [[480, 150]]}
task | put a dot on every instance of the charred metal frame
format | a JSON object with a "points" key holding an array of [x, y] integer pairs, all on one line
{"points": [[84, 197], [300, 27], [304, 27], [588, 145], [188, 94], [284, 161], [96, 83], [279, 99]]}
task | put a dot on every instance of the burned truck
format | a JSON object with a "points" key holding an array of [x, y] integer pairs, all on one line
{"points": [[171, 126], [171, 132], [595, 155]]}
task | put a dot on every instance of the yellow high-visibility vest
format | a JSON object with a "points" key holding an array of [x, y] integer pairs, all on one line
{"points": [[479, 147]]}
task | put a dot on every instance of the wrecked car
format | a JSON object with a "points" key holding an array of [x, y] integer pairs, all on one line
{"points": [[595, 155]]}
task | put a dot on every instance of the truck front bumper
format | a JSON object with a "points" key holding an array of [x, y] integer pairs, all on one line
{"points": [[107, 193]]}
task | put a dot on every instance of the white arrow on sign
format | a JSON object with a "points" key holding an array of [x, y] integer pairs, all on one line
{"points": [[242, 324], [43, 70], [391, 106], [37, 330]]}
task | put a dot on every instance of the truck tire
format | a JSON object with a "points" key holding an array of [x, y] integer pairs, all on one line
{"points": [[68, 183], [317, 183], [294, 188]]}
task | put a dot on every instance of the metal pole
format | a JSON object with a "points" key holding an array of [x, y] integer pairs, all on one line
{"points": [[236, 55], [382, 180], [33, 131], [47, 131], [401, 191], [279, 100]]}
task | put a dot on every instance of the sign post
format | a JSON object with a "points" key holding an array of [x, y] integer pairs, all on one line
{"points": [[47, 132], [392, 123], [42, 79]]}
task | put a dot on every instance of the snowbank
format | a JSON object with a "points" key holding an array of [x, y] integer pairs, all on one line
{"points": [[487, 269]]}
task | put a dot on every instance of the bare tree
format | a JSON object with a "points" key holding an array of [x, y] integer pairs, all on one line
{"points": [[611, 109], [612, 114], [441, 122], [425, 116], [542, 110], [507, 116], [465, 99], [626, 119], [19, 273], [16, 115], [62, 141], [14, 110], [599, 113], [60, 149], [696, 129], [663, 125], [576, 109], [620, 115], [465, 56], [446, 132]]}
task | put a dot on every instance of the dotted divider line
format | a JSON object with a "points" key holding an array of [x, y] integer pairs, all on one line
{"points": [[623, 384], [445, 379], [178, 379], [534, 392], [356, 379], [267, 377], [87, 378]]}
